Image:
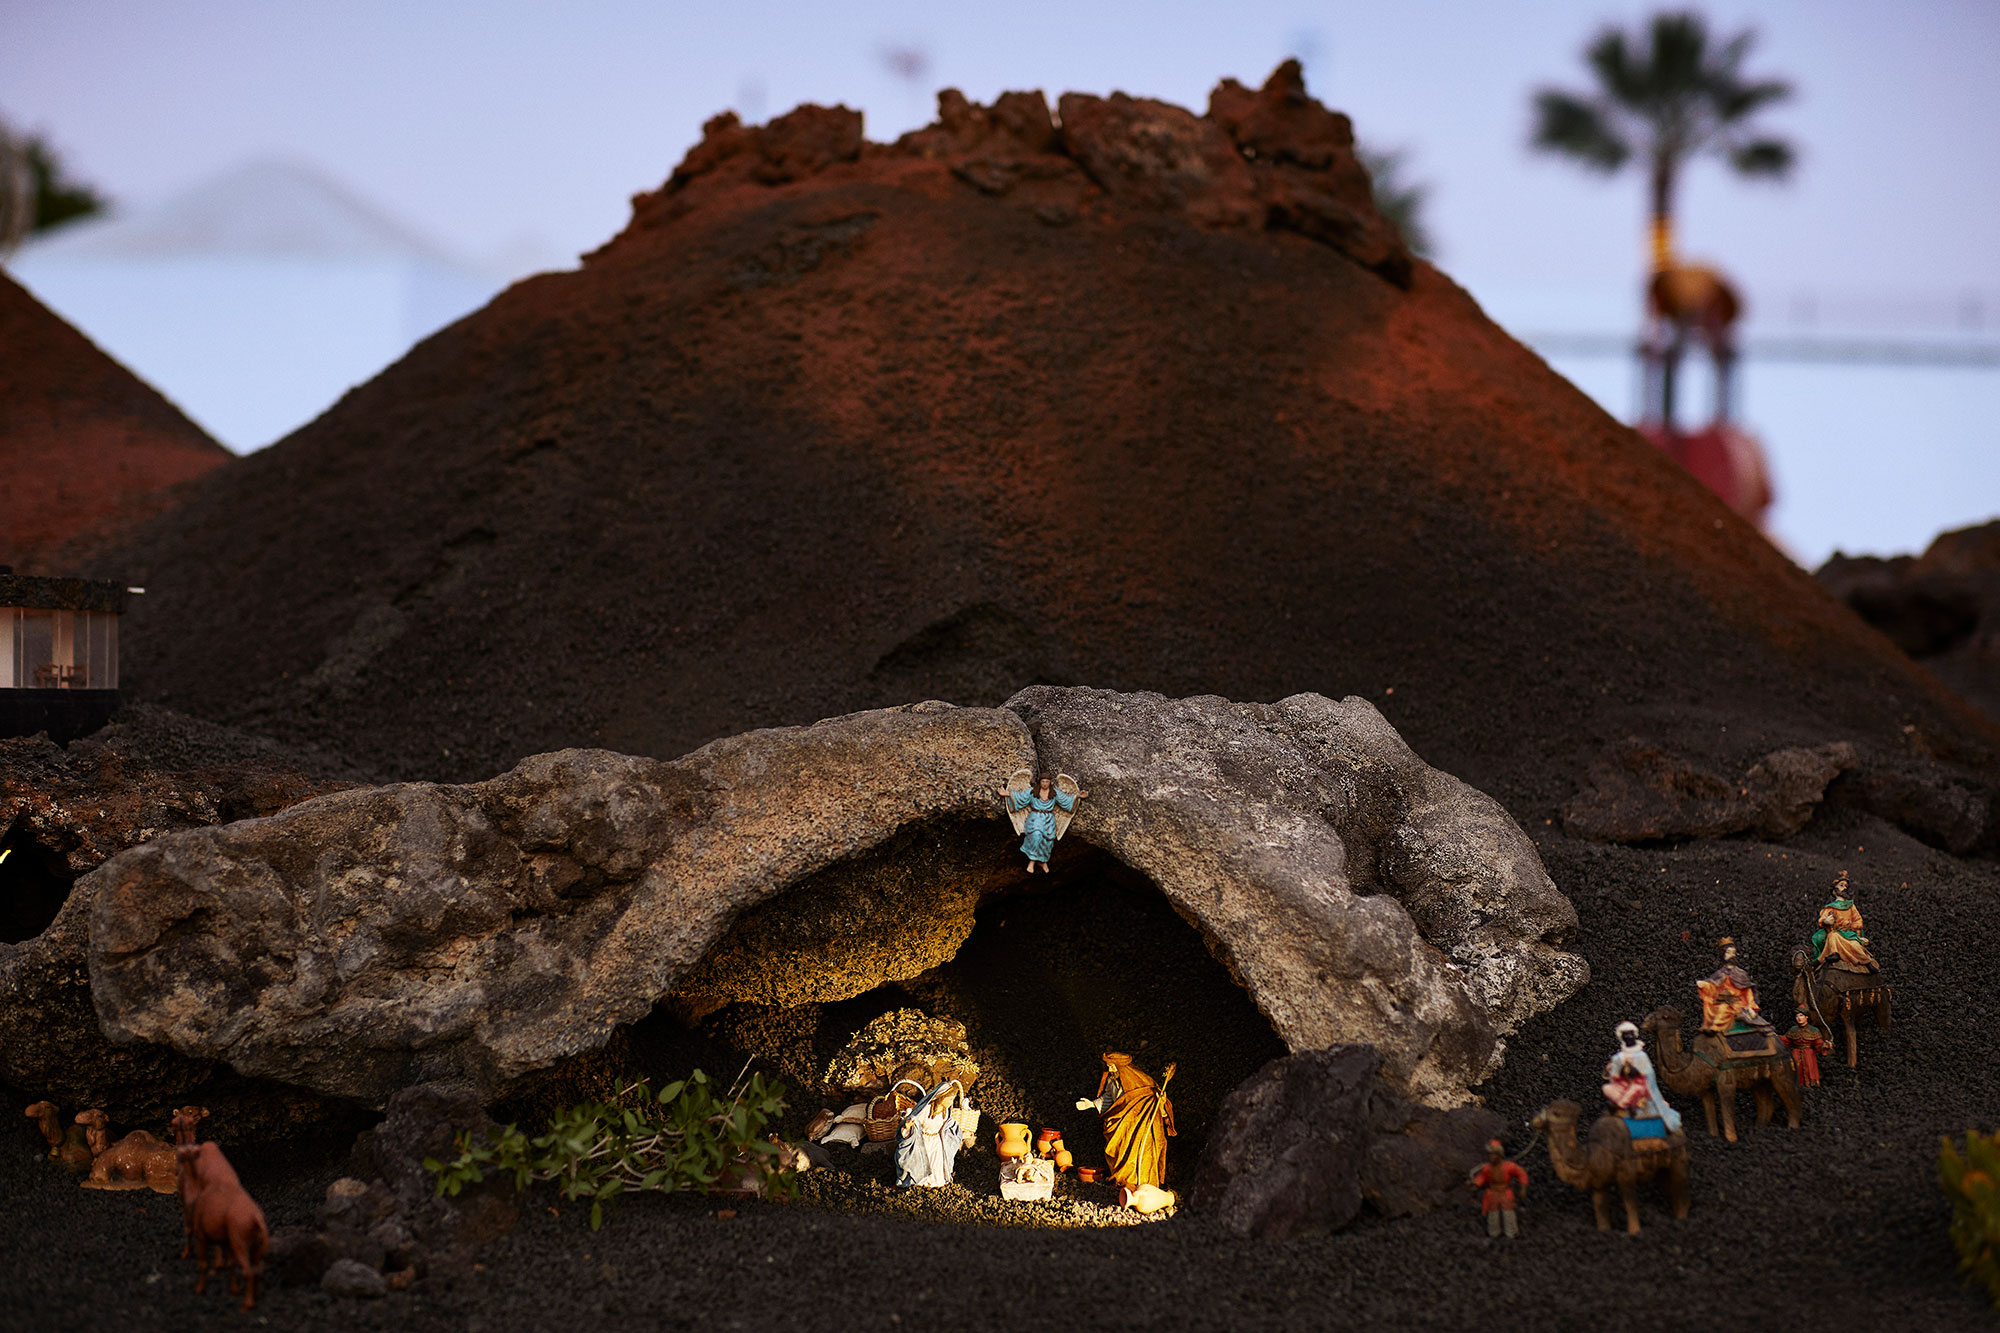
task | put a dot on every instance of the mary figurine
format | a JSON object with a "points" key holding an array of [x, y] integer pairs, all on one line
{"points": [[1041, 816], [927, 1146]]}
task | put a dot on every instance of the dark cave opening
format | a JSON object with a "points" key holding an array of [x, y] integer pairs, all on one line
{"points": [[34, 884], [1051, 973]]}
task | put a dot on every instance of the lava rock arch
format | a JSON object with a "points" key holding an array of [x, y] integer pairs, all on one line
{"points": [[370, 939]]}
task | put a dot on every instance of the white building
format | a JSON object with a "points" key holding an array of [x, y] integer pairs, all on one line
{"points": [[253, 300]]}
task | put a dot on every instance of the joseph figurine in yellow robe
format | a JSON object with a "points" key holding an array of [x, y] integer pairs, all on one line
{"points": [[1138, 1121]]}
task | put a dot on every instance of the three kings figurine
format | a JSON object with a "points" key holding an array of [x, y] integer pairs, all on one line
{"points": [[1729, 998], [1839, 942]]}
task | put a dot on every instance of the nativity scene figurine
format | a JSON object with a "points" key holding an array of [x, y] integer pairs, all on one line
{"points": [[1138, 1121], [929, 1139], [1041, 815], [1836, 975], [1838, 942]]}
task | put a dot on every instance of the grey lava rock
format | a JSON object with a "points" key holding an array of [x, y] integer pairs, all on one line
{"points": [[65, 812], [354, 1279], [1941, 607], [388, 1217], [372, 939], [1356, 892], [298, 1256], [1421, 1156], [1285, 1154], [1640, 792]]}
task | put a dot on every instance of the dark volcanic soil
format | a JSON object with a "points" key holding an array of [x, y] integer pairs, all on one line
{"points": [[84, 443], [834, 425], [1841, 1214]]}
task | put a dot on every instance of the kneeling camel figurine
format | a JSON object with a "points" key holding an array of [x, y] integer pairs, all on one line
{"points": [[1613, 1158], [137, 1161], [67, 1144]]}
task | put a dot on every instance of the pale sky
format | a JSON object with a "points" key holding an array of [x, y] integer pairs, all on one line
{"points": [[513, 133]]}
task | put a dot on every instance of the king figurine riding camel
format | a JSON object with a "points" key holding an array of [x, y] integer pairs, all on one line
{"points": [[1736, 1048], [1835, 976]]}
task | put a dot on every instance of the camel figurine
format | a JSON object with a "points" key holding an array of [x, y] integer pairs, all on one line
{"points": [[1714, 1072], [1835, 992], [186, 1124], [67, 1144], [137, 1161], [221, 1219], [1612, 1157]]}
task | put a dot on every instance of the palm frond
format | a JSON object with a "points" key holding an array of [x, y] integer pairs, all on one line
{"points": [[1610, 55], [1763, 157], [1729, 58], [1738, 100], [1676, 65], [1574, 127]]}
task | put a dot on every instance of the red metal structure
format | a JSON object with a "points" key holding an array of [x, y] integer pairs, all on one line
{"points": [[1693, 303]]}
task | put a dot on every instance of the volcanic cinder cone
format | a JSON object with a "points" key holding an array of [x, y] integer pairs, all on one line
{"points": [[1127, 396], [84, 443]]}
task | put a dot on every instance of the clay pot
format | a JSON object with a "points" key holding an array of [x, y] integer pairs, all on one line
{"points": [[1048, 1141], [1087, 1174], [1146, 1198], [1064, 1159], [1011, 1142]]}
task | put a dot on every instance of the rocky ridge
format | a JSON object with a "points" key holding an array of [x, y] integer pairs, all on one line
{"points": [[377, 938]]}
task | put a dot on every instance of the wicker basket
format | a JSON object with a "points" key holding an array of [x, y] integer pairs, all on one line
{"points": [[968, 1120], [885, 1113]]}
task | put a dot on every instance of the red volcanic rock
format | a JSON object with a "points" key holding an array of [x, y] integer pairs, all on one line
{"points": [[1136, 398], [83, 441]]}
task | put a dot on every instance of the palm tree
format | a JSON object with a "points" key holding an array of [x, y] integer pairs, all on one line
{"points": [[1667, 95]]}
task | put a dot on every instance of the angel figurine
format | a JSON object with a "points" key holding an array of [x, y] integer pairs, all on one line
{"points": [[1042, 815]]}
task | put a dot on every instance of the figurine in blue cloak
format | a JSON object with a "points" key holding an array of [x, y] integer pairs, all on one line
{"points": [[1041, 816], [928, 1143]]}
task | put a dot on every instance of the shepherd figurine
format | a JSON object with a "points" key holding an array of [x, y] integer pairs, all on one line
{"points": [[1041, 815]]}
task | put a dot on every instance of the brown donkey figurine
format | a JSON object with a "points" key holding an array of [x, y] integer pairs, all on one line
{"points": [[220, 1215]]}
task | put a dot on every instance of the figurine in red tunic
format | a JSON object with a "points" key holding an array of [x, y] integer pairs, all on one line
{"points": [[1808, 1043], [1502, 1185]]}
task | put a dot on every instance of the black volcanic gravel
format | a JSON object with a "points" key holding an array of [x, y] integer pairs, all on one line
{"points": [[1841, 1215]]}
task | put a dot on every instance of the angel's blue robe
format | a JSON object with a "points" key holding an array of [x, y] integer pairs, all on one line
{"points": [[1041, 827]]}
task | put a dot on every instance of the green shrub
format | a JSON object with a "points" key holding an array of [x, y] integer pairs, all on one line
{"points": [[683, 1138], [1972, 1183]]}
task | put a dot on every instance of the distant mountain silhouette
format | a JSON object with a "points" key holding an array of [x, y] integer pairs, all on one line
{"points": [[83, 442]]}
